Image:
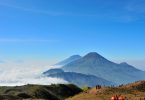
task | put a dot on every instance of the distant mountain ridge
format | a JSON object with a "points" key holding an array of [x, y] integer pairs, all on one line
{"points": [[95, 64], [78, 79], [53, 71], [68, 60]]}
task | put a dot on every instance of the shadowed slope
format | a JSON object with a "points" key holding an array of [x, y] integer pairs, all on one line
{"points": [[51, 92]]}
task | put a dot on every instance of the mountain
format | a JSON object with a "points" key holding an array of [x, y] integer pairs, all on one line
{"points": [[53, 71], [95, 64], [68, 60], [79, 79], [43, 92]]}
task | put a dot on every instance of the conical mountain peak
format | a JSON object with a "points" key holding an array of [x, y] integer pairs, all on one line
{"points": [[93, 55], [95, 64]]}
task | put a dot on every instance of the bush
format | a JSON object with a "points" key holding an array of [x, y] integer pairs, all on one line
{"points": [[24, 95]]}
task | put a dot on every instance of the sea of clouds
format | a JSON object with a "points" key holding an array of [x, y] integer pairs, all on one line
{"points": [[22, 73]]}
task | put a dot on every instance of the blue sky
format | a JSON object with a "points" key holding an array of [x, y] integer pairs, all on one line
{"points": [[51, 30]]}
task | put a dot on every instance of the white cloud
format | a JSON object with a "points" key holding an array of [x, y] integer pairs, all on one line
{"points": [[12, 74]]}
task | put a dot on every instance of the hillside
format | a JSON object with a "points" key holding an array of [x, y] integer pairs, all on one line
{"points": [[68, 60], [50, 92], [95, 64], [81, 80], [53, 71], [133, 91]]}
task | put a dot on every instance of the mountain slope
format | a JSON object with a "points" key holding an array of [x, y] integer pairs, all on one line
{"points": [[53, 71], [68, 60], [81, 79], [95, 64], [133, 91], [51, 92]]}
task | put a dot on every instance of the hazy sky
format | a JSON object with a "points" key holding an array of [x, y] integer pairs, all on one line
{"points": [[50, 30]]}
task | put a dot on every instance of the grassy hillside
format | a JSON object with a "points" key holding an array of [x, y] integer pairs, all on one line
{"points": [[133, 91], [51, 92]]}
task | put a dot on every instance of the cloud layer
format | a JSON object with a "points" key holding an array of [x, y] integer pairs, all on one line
{"points": [[12, 74]]}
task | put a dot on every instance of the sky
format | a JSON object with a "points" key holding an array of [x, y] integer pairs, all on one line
{"points": [[50, 30]]}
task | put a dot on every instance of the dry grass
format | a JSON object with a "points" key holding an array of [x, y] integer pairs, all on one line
{"points": [[134, 91]]}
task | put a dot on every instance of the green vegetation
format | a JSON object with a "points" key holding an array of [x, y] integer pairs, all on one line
{"points": [[51, 92], [85, 88]]}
